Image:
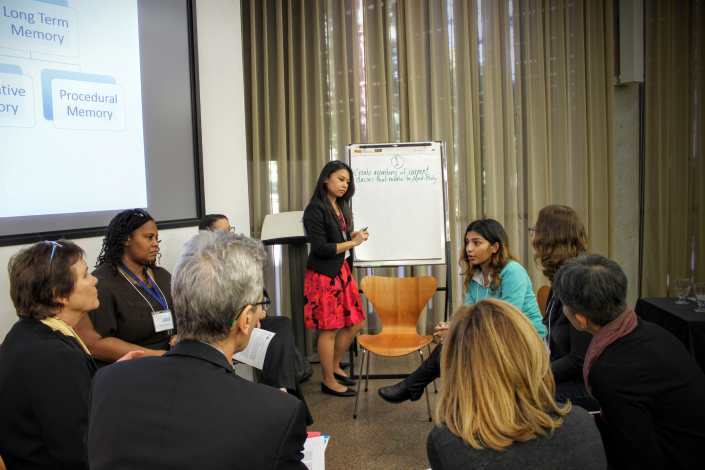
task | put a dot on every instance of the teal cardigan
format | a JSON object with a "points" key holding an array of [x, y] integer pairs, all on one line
{"points": [[515, 288]]}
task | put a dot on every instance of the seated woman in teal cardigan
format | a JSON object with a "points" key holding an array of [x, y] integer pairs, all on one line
{"points": [[490, 271]]}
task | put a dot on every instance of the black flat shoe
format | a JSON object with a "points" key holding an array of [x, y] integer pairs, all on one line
{"points": [[344, 380], [398, 393], [329, 391]]}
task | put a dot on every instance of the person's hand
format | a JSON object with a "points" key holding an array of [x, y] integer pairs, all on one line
{"points": [[172, 341], [130, 355], [440, 331], [359, 237], [262, 316]]}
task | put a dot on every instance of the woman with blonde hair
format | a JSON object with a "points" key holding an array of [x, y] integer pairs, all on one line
{"points": [[559, 236], [496, 408]]}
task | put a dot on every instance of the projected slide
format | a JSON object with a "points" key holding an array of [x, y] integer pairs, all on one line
{"points": [[71, 137]]}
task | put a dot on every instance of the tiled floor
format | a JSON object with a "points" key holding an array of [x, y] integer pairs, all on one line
{"points": [[384, 436]]}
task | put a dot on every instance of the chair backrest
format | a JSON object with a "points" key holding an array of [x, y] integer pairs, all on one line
{"points": [[541, 297], [399, 301]]}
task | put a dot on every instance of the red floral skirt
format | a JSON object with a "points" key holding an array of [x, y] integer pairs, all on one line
{"points": [[331, 303]]}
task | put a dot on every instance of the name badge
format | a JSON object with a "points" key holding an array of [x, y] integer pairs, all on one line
{"points": [[163, 321]]}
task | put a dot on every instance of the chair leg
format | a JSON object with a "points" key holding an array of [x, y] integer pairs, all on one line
{"points": [[435, 388], [428, 400], [357, 395], [367, 379]]}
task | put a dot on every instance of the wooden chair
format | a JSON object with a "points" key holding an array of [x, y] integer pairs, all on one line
{"points": [[541, 297], [399, 303], [2, 464]]}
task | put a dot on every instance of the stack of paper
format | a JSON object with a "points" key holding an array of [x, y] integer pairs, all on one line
{"points": [[253, 354], [315, 451]]}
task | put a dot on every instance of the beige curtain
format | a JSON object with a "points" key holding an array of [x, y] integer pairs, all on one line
{"points": [[673, 174], [547, 104], [520, 91]]}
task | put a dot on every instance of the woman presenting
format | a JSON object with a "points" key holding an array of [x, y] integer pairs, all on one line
{"points": [[331, 299], [134, 293]]}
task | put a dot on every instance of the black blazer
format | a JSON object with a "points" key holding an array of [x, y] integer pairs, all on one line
{"points": [[45, 380], [324, 233], [188, 409]]}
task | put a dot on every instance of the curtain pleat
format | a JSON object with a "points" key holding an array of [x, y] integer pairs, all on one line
{"points": [[673, 148]]}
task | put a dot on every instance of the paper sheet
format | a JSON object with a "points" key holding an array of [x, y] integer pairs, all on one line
{"points": [[315, 453], [400, 199], [253, 354]]}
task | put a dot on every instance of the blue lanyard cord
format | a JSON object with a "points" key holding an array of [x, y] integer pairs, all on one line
{"points": [[156, 292]]}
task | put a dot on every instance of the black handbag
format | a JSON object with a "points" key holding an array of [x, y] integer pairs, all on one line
{"points": [[303, 368]]}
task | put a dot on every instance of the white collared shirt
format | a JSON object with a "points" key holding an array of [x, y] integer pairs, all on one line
{"points": [[479, 278]]}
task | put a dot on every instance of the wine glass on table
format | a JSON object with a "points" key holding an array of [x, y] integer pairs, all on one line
{"points": [[700, 297], [682, 289]]}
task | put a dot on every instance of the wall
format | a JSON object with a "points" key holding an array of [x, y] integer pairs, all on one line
{"points": [[223, 131], [624, 245]]}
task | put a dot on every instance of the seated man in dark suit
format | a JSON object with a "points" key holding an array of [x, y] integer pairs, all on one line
{"points": [[649, 388], [188, 409]]}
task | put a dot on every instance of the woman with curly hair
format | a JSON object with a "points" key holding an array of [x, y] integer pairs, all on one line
{"points": [[490, 271], [134, 293], [559, 236], [496, 408]]}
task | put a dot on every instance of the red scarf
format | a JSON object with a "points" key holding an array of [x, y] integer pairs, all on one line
{"points": [[608, 334]]}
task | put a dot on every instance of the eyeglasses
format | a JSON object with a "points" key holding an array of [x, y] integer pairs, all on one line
{"points": [[532, 231], [232, 229], [53, 249], [265, 305]]}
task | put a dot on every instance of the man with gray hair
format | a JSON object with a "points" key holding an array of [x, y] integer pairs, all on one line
{"points": [[187, 408], [649, 388]]}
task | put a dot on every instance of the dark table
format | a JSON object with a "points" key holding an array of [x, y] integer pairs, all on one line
{"points": [[681, 320]]}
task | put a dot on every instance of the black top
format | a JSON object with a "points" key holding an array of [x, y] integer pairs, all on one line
{"points": [[187, 409], [575, 445], [324, 232], [568, 344], [45, 379], [125, 314], [652, 398]]}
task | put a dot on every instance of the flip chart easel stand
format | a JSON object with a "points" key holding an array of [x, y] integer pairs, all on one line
{"points": [[406, 147]]}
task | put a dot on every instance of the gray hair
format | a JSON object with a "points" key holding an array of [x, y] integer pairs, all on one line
{"points": [[592, 285], [218, 275]]}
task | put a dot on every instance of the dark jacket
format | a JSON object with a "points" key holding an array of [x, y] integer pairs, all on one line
{"points": [[125, 310], [651, 392], [45, 379], [568, 344], [324, 233], [187, 409], [575, 445]]}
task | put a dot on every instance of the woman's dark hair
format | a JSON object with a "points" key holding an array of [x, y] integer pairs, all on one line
{"points": [[37, 280], [559, 237], [122, 225], [320, 192], [493, 232], [207, 221]]}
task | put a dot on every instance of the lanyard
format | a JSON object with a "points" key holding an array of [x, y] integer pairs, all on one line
{"points": [[549, 309], [156, 293]]}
